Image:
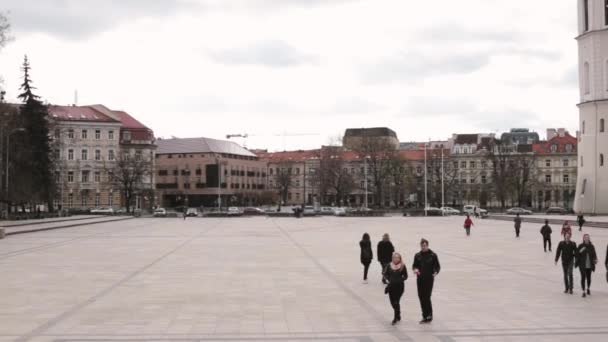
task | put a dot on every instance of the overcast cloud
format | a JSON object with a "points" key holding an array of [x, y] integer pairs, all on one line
{"points": [[310, 68]]}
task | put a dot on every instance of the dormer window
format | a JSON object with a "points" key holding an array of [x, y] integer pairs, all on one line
{"points": [[553, 148], [569, 148], [126, 135]]}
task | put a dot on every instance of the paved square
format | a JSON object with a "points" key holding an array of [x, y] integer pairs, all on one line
{"points": [[261, 279]]}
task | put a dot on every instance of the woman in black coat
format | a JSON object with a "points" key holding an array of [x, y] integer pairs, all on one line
{"points": [[396, 275], [367, 255], [585, 261]]}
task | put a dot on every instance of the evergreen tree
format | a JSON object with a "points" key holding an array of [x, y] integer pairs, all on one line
{"points": [[36, 152]]}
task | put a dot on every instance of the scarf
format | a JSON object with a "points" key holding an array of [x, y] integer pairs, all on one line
{"points": [[397, 267]]}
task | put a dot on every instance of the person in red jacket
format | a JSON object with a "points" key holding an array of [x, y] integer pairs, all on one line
{"points": [[566, 229], [467, 225]]}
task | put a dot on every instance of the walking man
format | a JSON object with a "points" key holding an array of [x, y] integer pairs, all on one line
{"points": [[467, 225], [567, 250], [385, 253], [426, 267], [580, 219], [517, 221], [546, 231]]}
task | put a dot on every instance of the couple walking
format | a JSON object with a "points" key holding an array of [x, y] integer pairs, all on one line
{"points": [[394, 274], [582, 256]]}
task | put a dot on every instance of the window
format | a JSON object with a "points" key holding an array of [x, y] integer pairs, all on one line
{"points": [[455, 165], [57, 154], [297, 183], [601, 159], [548, 163], [111, 155], [297, 170], [83, 200], [484, 164], [463, 164], [97, 198], [583, 127], [566, 162], [586, 78], [484, 179], [84, 134], [70, 177], [85, 176], [586, 15], [126, 135], [138, 155], [97, 134], [84, 154], [473, 164], [97, 154], [186, 185], [57, 133], [70, 154], [97, 177], [163, 172], [569, 148], [70, 200], [566, 179], [111, 199], [547, 178], [110, 135], [553, 148], [602, 121]]}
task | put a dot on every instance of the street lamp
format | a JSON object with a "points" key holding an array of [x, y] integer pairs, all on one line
{"points": [[365, 171], [8, 137]]}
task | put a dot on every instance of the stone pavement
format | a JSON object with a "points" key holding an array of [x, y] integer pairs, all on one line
{"points": [[261, 279]]}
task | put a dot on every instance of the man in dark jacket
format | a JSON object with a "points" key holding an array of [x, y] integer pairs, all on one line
{"points": [[426, 267], [546, 233], [385, 253], [517, 222], [567, 250]]}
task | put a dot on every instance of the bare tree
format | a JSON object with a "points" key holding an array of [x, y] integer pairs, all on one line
{"points": [[284, 179], [333, 176], [129, 174], [498, 156], [380, 155], [523, 178]]}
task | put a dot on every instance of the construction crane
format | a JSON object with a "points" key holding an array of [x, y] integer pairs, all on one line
{"points": [[283, 135]]}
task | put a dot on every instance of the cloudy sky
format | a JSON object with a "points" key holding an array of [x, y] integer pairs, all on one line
{"points": [[296, 73]]}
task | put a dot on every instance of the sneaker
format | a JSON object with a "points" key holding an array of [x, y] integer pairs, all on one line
{"points": [[566, 291], [570, 291], [584, 295], [425, 321], [394, 322], [588, 292]]}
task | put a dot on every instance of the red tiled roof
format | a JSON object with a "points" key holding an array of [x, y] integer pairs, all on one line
{"points": [[128, 121], [299, 155], [544, 147], [347, 155], [78, 113]]}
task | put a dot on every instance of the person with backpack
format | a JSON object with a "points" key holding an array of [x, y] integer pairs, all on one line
{"points": [[566, 229], [367, 255], [567, 251], [585, 261], [395, 275], [467, 225], [517, 222], [385, 253], [581, 221], [546, 232]]}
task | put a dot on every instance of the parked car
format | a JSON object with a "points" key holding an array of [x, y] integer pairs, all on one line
{"points": [[234, 211], [339, 211], [326, 211], [470, 210], [449, 211], [103, 210], [192, 212], [253, 211], [520, 211], [309, 210], [557, 210], [432, 211], [160, 212]]}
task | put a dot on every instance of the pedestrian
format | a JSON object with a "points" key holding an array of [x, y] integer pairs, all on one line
{"points": [[385, 253], [395, 274], [546, 232], [185, 213], [566, 249], [566, 228], [517, 221], [585, 261], [426, 267], [475, 212], [467, 225], [367, 255], [581, 221]]}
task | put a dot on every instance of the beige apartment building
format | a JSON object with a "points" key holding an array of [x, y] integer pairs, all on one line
{"points": [[203, 172], [87, 140]]}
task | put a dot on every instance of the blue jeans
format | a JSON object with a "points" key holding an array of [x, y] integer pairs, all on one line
{"points": [[568, 278]]}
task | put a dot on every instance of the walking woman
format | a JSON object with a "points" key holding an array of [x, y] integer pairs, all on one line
{"points": [[585, 261], [566, 229], [367, 255], [467, 225], [396, 275]]}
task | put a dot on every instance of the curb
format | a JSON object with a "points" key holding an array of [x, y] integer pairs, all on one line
{"points": [[46, 222], [65, 226]]}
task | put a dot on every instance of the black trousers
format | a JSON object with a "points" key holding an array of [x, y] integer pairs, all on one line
{"points": [[395, 291], [425, 290], [468, 230], [568, 267], [365, 269], [383, 265], [517, 231], [547, 241], [586, 277]]}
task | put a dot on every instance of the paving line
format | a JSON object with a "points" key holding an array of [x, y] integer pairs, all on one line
{"points": [[75, 309], [398, 334]]}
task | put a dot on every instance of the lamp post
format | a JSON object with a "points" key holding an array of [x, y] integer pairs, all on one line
{"points": [[8, 141], [425, 183], [219, 185], [365, 172]]}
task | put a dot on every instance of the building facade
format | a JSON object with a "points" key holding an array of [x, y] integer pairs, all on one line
{"points": [[591, 195], [203, 172]]}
